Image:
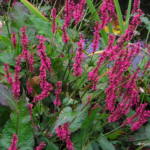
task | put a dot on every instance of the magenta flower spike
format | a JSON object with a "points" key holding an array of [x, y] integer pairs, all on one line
{"points": [[13, 145]]}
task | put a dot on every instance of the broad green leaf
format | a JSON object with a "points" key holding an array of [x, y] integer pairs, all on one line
{"points": [[89, 147], [80, 115], [105, 144], [147, 131], [19, 124], [78, 140], [6, 97], [7, 58]]}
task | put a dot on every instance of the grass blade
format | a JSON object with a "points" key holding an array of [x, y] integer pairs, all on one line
{"points": [[119, 15], [128, 14], [34, 10]]}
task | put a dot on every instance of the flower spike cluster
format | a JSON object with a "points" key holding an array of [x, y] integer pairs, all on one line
{"points": [[45, 66]]}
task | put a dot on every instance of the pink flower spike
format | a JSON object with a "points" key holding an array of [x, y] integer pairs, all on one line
{"points": [[24, 38], [68, 13], [13, 145], [57, 101], [41, 146], [136, 6], [77, 65], [65, 36], [16, 84], [8, 74], [53, 13], [96, 38], [79, 11]]}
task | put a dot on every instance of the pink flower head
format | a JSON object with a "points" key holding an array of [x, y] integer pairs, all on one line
{"points": [[45, 60], [69, 7], [95, 43], [25, 53], [65, 36], [24, 38], [57, 101], [77, 66], [8, 74], [136, 6], [53, 12], [45, 92], [41, 146], [16, 84], [64, 134], [93, 77], [69, 144], [79, 11], [13, 145], [107, 12]]}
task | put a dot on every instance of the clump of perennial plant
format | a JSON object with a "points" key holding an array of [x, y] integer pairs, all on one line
{"points": [[70, 86]]}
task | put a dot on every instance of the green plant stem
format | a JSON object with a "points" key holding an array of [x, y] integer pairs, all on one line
{"points": [[113, 130], [147, 37]]}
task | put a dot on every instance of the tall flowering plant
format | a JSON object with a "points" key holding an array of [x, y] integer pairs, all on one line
{"points": [[74, 99]]}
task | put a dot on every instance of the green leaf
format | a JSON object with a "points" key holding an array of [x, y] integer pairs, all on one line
{"points": [[105, 144], [19, 124], [92, 10], [51, 146], [147, 131], [6, 58], [6, 97], [89, 147], [80, 115]]}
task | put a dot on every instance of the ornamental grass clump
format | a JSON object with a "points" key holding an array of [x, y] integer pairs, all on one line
{"points": [[66, 98]]}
